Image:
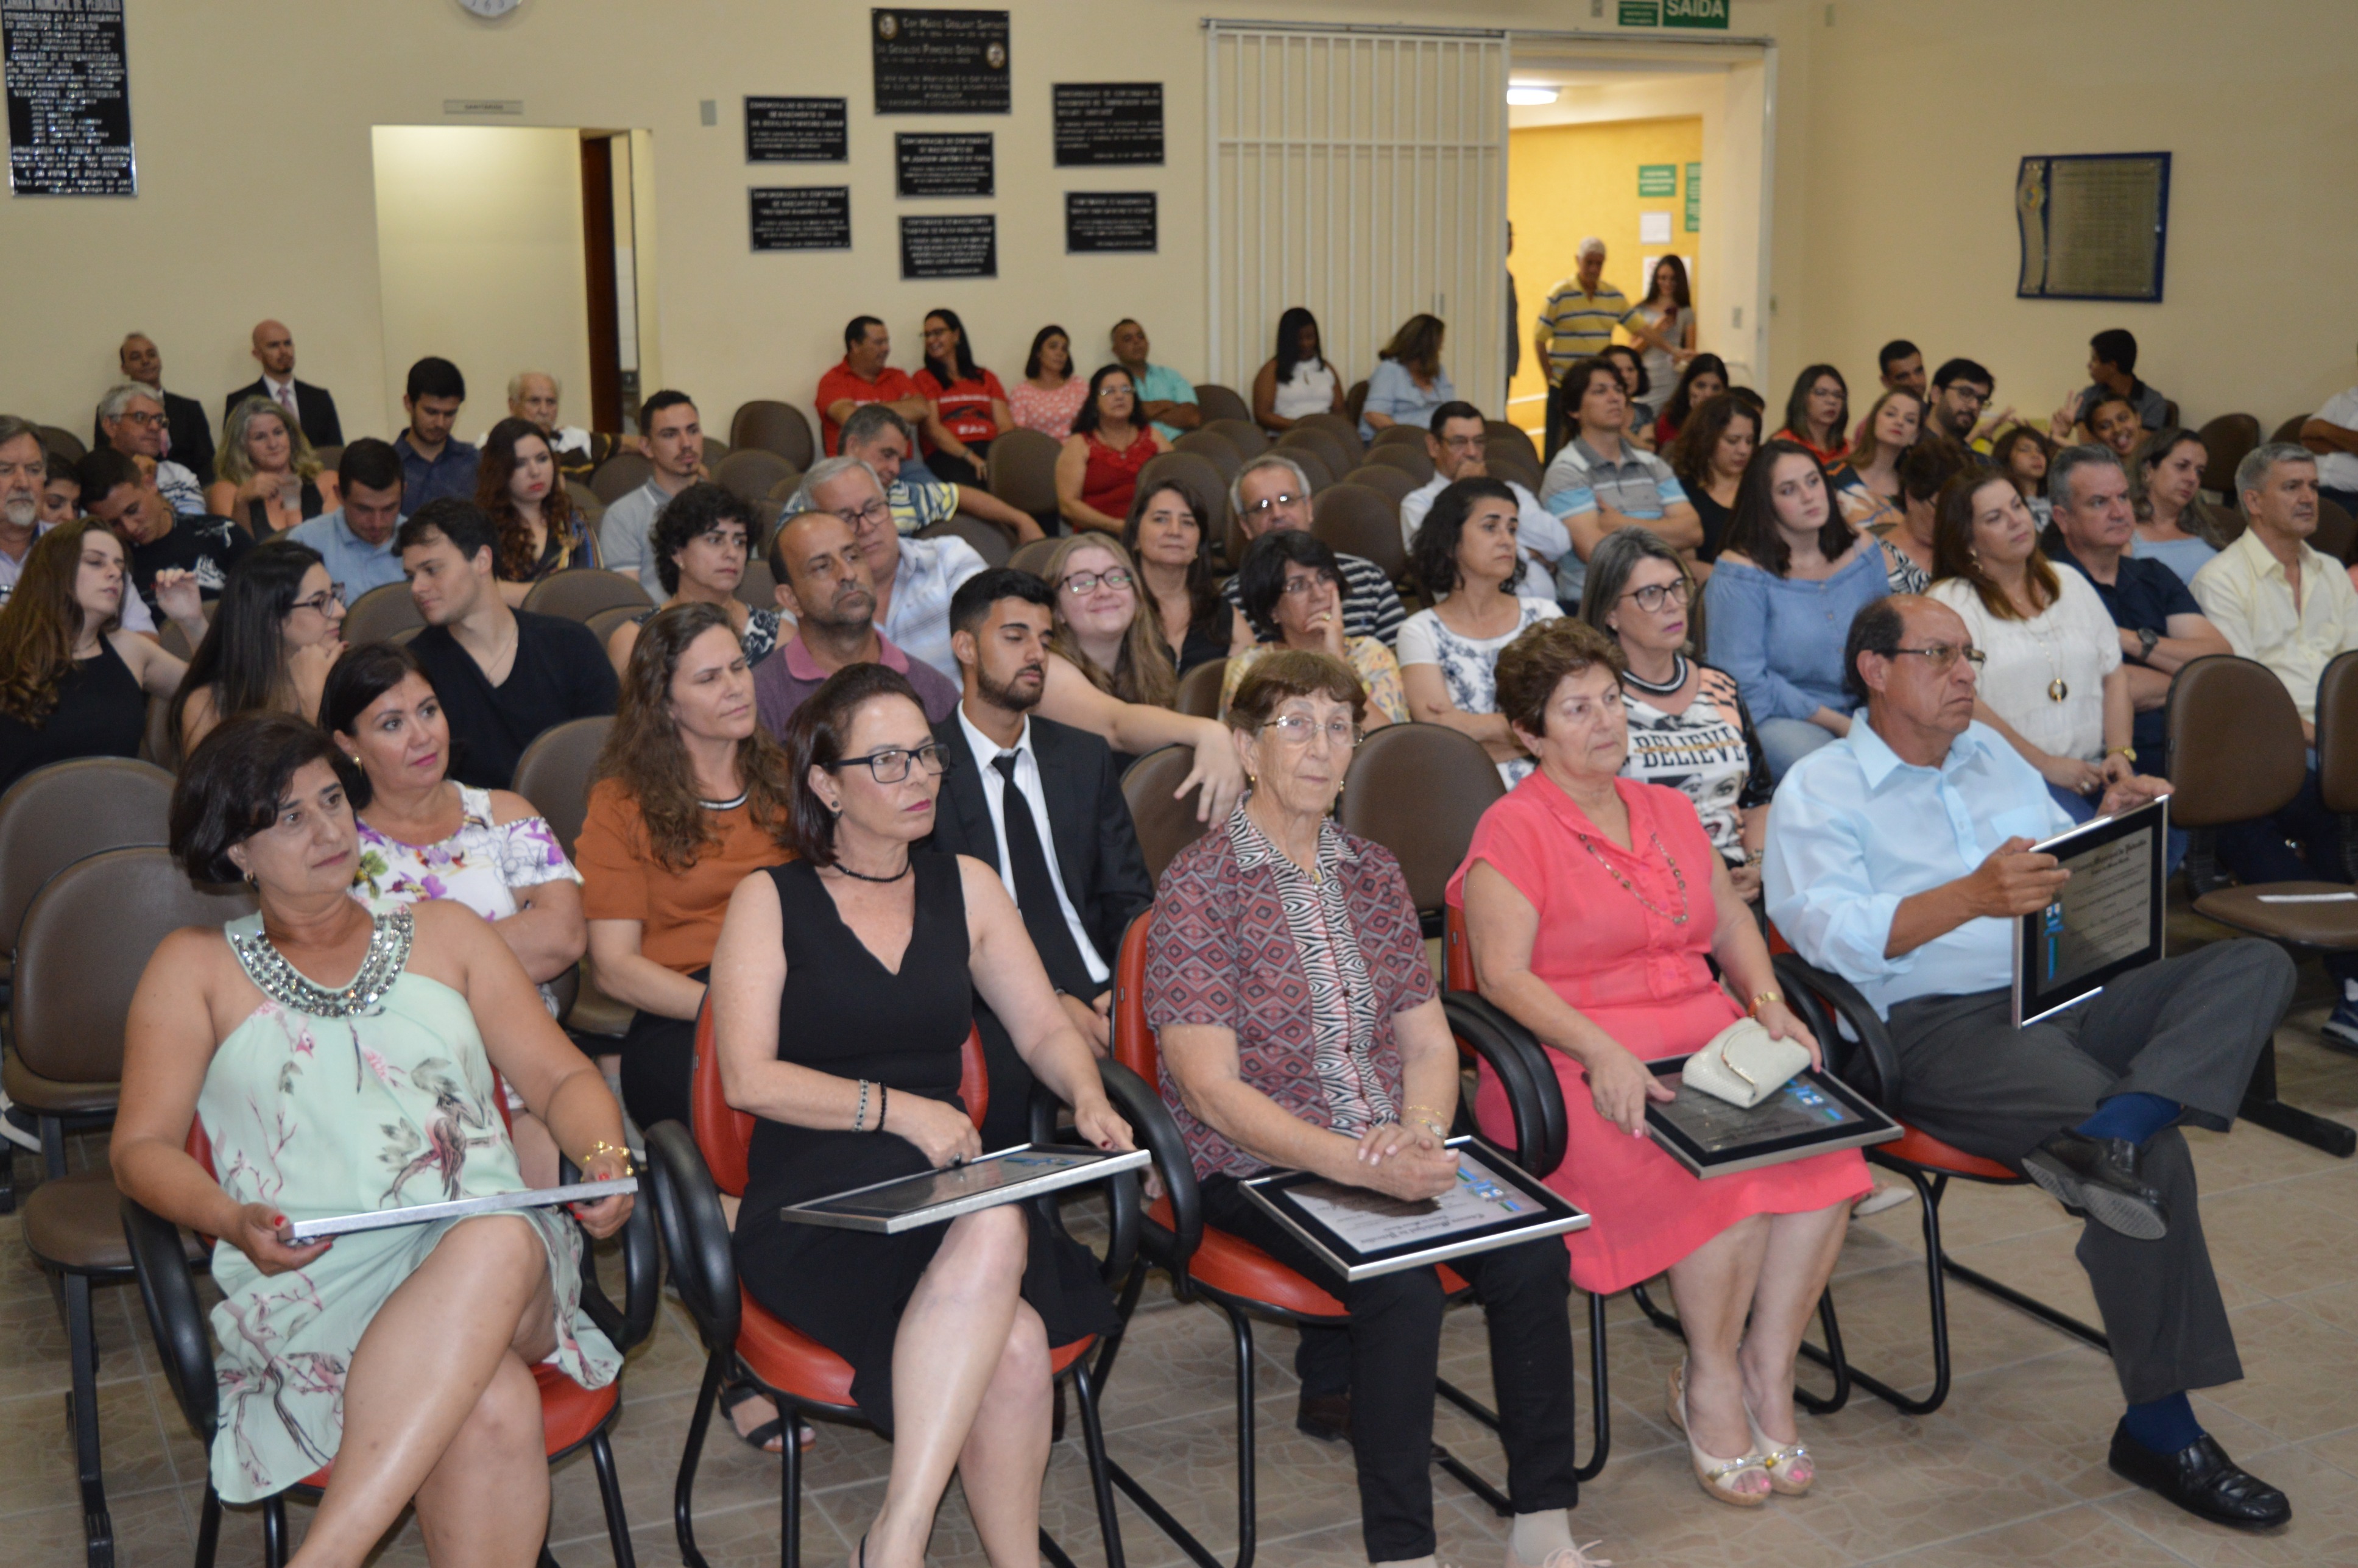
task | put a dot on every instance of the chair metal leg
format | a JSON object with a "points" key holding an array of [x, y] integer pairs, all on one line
{"points": [[1928, 1197], [790, 1497], [81, 1412], [209, 1528], [610, 1492], [1598, 1380], [2263, 1109], [274, 1532], [1085, 1394], [683, 1494], [547, 1559], [1181, 1536]]}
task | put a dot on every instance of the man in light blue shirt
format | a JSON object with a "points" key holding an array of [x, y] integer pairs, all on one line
{"points": [[356, 539], [1164, 395], [1899, 857]]}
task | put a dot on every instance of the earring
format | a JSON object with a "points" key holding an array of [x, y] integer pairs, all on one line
{"points": [[249, 880]]}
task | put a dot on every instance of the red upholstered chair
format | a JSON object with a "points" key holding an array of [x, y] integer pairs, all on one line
{"points": [[1234, 1275], [572, 1416], [691, 1171]]}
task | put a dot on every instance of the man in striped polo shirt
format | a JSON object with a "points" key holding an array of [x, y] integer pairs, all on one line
{"points": [[1577, 324]]}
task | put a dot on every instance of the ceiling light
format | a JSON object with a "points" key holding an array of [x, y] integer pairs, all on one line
{"points": [[1529, 94]]}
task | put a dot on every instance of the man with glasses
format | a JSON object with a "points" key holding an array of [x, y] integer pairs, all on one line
{"points": [[1901, 857], [1042, 802], [503, 675], [1961, 391], [133, 419], [1272, 493], [1458, 443], [912, 579], [879, 437], [188, 435], [823, 584]]}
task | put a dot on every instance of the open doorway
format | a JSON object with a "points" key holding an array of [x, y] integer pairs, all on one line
{"points": [[1657, 151], [511, 248]]}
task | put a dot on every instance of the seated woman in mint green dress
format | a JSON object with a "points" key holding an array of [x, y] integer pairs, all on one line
{"points": [[344, 1060]]}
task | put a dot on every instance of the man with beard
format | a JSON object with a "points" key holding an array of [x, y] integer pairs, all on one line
{"points": [[1042, 802], [823, 583]]}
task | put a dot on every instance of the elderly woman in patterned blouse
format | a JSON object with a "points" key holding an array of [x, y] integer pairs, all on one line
{"points": [[1341, 1063]]}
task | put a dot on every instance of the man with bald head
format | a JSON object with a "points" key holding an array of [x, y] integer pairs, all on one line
{"points": [[189, 435], [823, 583], [310, 406], [1901, 858]]}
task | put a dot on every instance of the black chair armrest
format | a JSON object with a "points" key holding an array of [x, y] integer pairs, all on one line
{"points": [[168, 1288], [1155, 1130], [1125, 1207], [1534, 1097], [1870, 1063], [642, 1268], [694, 1232]]}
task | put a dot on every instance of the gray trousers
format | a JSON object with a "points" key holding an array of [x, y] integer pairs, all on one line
{"points": [[2188, 1029]]}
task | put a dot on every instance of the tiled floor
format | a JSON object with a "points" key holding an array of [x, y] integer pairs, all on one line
{"points": [[2010, 1471]]}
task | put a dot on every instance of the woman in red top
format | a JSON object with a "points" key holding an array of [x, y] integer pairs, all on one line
{"points": [[967, 406], [1097, 473]]}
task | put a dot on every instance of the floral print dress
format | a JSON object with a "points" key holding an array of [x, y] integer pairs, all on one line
{"points": [[373, 1097]]}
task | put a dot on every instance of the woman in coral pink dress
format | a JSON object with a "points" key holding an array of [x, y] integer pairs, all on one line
{"points": [[1591, 903]]}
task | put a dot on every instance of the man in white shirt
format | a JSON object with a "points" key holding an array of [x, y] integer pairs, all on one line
{"points": [[2279, 602], [1458, 443], [913, 578], [535, 394], [135, 423], [675, 449], [2332, 434]]}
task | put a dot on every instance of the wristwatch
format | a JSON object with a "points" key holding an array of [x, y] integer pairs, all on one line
{"points": [[2146, 638]]}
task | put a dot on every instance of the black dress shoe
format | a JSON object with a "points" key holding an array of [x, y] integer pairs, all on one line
{"points": [[2203, 1480], [2101, 1176], [1327, 1417]]}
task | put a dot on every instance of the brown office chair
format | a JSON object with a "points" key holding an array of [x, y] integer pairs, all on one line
{"points": [[618, 475], [2249, 762], [1502, 437], [1022, 471], [1192, 472], [1339, 458], [377, 614], [1355, 403], [988, 539], [1034, 557], [1410, 435], [1249, 438], [1199, 689], [1215, 447], [85, 942], [58, 438], [1393, 481], [751, 474], [53, 816], [774, 426], [2290, 430], [328, 457], [553, 773], [1413, 461], [783, 491], [2226, 441], [1165, 826], [757, 589], [715, 452], [579, 592], [1342, 428], [1220, 402], [2337, 532], [1314, 465], [1513, 465], [601, 625], [156, 743], [1418, 790], [585, 500], [175, 640], [1354, 520]]}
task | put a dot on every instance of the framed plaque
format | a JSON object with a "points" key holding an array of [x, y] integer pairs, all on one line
{"points": [[2092, 227], [1361, 1233], [802, 218], [964, 245], [68, 90], [1100, 122], [798, 130], [1110, 222], [305, 1230], [939, 62], [943, 163], [2108, 920], [1812, 1113], [936, 1197]]}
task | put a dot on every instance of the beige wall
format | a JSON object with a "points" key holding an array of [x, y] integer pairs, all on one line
{"points": [[1900, 128]]}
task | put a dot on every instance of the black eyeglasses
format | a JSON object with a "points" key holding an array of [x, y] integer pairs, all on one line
{"points": [[318, 603], [891, 765], [1943, 656], [1653, 596]]}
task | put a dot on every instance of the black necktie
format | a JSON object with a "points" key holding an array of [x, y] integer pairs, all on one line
{"points": [[1035, 888]]}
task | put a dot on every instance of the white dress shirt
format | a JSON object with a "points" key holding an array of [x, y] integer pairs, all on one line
{"points": [[994, 796]]}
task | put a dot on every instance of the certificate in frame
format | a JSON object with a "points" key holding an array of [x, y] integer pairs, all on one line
{"points": [[1812, 1113], [936, 1197], [1360, 1233], [2109, 919]]}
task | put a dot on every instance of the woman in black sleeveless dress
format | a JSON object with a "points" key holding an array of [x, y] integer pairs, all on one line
{"points": [[842, 991]]}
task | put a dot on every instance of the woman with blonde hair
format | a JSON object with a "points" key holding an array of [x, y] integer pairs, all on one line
{"points": [[1866, 483], [1106, 626], [266, 475], [1409, 383]]}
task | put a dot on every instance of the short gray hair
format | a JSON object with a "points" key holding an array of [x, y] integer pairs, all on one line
{"points": [[14, 428], [118, 398], [830, 469], [1266, 460], [515, 383], [1610, 567], [2252, 471], [2071, 460], [870, 420]]}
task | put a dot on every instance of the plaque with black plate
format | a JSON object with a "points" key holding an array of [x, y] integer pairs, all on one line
{"points": [[963, 245], [943, 163], [69, 90], [1102, 123], [939, 62], [802, 218], [1107, 222], [798, 130]]}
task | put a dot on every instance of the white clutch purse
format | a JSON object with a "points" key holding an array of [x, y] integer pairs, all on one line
{"points": [[1744, 1063]]}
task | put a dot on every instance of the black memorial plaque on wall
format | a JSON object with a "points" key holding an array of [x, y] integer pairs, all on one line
{"points": [[939, 62], [1107, 222], [1109, 122], [802, 218], [943, 163], [966, 246], [798, 130], [68, 98]]}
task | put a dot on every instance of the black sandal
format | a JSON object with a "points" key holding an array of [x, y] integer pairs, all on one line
{"points": [[735, 1392]]}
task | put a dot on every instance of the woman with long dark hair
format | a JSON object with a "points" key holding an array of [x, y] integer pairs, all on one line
{"points": [[1296, 380], [1817, 415], [1866, 483], [1705, 378], [1166, 535], [72, 682], [967, 408], [278, 630], [1668, 313], [517, 485], [1049, 394], [1714, 448], [1097, 473]]}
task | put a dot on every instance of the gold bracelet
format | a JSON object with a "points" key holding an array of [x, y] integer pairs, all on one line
{"points": [[1763, 1000], [602, 1147], [1434, 1122]]}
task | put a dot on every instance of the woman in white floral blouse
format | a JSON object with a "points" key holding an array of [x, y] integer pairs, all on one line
{"points": [[424, 836]]}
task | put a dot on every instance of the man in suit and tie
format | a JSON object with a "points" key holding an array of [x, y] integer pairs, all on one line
{"points": [[310, 406], [191, 443], [1043, 803]]}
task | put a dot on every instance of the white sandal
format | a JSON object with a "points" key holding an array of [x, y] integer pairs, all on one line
{"points": [[1779, 1459], [1713, 1473]]}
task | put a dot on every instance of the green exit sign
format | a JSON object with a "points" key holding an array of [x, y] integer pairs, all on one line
{"points": [[1658, 179], [1641, 13], [1695, 13]]}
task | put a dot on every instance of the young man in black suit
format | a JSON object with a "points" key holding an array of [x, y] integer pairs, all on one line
{"points": [[315, 408], [1043, 803]]}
